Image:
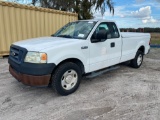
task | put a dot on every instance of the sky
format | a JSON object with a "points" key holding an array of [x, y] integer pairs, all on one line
{"points": [[134, 13], [131, 13]]}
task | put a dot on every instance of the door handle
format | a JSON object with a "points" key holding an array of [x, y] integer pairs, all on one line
{"points": [[112, 44], [84, 47]]}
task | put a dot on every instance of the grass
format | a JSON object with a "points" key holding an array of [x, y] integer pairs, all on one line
{"points": [[155, 38], [155, 42]]}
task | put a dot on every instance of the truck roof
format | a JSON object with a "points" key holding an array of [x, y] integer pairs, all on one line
{"points": [[98, 20]]}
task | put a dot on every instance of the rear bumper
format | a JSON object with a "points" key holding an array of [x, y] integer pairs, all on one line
{"points": [[30, 80], [148, 51]]}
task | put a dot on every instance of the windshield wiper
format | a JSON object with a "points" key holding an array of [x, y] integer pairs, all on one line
{"points": [[65, 36]]}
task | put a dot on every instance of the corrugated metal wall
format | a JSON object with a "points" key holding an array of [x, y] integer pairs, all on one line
{"points": [[19, 22]]}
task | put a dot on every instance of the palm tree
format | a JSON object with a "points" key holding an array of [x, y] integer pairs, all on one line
{"points": [[82, 7], [101, 4]]}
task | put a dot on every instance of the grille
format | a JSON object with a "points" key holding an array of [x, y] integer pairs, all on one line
{"points": [[16, 54]]}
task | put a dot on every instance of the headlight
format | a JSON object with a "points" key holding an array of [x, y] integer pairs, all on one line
{"points": [[36, 57]]}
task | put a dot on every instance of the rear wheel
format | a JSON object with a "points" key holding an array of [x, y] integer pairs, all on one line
{"points": [[137, 61], [66, 78]]}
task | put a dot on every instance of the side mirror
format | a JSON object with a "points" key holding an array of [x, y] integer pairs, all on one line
{"points": [[101, 36]]}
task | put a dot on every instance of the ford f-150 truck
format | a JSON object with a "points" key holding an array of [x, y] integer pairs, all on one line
{"points": [[77, 49]]}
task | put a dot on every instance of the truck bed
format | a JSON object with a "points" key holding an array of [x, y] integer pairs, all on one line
{"points": [[133, 34]]}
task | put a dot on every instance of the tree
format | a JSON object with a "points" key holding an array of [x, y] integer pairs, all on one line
{"points": [[84, 8], [101, 4]]}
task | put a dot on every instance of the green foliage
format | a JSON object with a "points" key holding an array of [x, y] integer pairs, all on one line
{"points": [[146, 29], [84, 8], [152, 30]]}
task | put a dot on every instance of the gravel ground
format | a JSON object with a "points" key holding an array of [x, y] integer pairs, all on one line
{"points": [[123, 94]]}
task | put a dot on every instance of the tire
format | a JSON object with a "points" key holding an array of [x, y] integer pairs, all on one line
{"points": [[66, 79], [137, 61]]}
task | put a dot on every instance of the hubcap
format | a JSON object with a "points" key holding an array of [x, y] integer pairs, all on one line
{"points": [[69, 79], [139, 60]]}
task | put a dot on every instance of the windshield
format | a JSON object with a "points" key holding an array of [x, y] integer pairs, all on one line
{"points": [[78, 29]]}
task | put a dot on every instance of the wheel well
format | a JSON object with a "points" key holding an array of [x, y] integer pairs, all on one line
{"points": [[142, 49], [74, 60]]}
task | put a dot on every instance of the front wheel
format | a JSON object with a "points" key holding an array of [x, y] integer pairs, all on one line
{"points": [[137, 61], [66, 78]]}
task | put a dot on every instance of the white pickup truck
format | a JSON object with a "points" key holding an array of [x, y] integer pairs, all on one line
{"points": [[77, 49]]}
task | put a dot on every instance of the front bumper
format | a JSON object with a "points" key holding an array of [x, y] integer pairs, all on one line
{"points": [[30, 80], [28, 73]]}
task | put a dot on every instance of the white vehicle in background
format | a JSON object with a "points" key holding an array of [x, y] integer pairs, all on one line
{"points": [[77, 49]]}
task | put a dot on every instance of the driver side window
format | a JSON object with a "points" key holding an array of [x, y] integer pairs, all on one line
{"points": [[109, 27]]}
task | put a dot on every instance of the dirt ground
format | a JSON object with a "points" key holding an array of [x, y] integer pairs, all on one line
{"points": [[123, 94]]}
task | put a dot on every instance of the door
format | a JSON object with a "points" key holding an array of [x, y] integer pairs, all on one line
{"points": [[107, 52]]}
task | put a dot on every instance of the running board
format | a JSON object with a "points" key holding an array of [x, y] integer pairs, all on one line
{"points": [[98, 73]]}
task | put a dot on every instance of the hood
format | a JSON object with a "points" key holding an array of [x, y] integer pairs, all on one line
{"points": [[38, 44]]}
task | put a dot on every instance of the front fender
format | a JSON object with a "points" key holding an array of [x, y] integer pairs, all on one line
{"points": [[58, 57]]}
